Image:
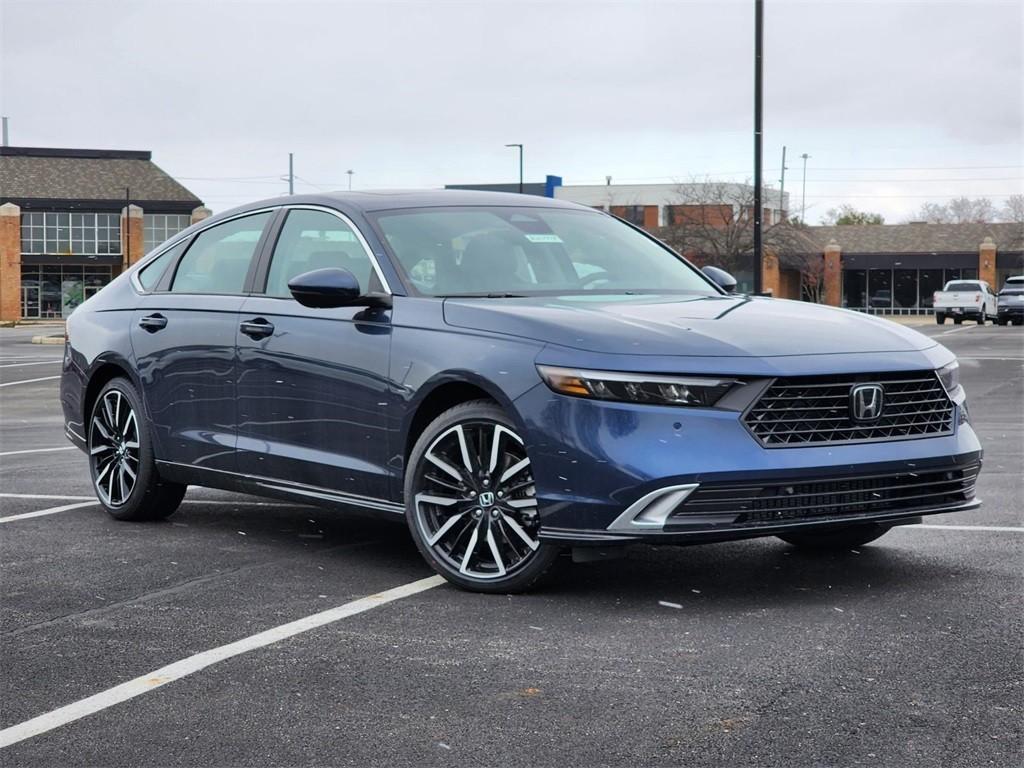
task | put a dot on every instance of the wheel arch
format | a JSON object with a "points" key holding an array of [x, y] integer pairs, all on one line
{"points": [[103, 371], [443, 392]]}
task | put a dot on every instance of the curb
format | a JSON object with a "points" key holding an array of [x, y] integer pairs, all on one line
{"points": [[48, 339]]}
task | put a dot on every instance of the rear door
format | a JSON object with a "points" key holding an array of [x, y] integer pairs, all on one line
{"points": [[313, 391], [183, 336]]}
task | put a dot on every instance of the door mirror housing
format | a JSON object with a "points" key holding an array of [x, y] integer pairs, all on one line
{"points": [[326, 288], [721, 278]]}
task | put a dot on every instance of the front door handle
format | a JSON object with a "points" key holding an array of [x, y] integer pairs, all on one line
{"points": [[257, 328], [153, 323]]}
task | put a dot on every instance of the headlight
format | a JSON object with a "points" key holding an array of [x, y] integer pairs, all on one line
{"points": [[636, 387], [949, 376]]}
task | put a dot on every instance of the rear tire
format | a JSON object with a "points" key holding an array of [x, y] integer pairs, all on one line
{"points": [[940, 319], [836, 538], [121, 462], [982, 316], [471, 504]]}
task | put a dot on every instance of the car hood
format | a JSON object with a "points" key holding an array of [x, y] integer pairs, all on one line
{"points": [[711, 326]]}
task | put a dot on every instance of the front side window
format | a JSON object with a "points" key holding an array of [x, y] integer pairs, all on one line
{"points": [[313, 240], [530, 251], [219, 258]]}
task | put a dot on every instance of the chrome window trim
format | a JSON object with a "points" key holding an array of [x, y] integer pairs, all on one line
{"points": [[351, 224]]}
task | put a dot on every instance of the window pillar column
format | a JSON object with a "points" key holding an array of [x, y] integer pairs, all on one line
{"points": [[10, 262], [987, 262], [833, 274], [133, 243], [200, 213]]}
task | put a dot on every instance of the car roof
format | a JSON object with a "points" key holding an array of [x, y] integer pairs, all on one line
{"points": [[366, 202]]}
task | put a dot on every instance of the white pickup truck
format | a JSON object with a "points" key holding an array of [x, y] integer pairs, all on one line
{"points": [[965, 298]]}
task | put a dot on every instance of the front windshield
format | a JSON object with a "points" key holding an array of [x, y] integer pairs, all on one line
{"points": [[530, 251]]}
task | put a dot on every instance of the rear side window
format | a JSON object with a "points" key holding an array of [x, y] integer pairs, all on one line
{"points": [[150, 274], [315, 240], [219, 258]]}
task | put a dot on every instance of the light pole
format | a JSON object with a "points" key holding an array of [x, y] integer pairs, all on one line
{"points": [[758, 109], [803, 193], [350, 173], [520, 146]]}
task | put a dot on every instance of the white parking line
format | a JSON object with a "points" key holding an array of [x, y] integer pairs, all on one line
{"points": [[28, 381], [50, 511], [22, 365], [991, 528], [39, 450], [185, 667]]}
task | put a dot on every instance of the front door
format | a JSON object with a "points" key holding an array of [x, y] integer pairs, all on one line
{"points": [[183, 336], [312, 383]]}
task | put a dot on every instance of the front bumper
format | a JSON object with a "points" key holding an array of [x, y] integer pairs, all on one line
{"points": [[1016, 311], [594, 461]]}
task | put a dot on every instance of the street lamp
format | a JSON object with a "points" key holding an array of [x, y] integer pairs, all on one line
{"points": [[350, 173], [520, 147]]}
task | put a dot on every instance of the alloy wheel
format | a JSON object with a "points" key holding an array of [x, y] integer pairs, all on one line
{"points": [[475, 500], [114, 448]]}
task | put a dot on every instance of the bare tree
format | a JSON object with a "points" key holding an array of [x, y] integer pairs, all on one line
{"points": [[812, 275], [713, 222], [961, 210], [1013, 210], [847, 214]]}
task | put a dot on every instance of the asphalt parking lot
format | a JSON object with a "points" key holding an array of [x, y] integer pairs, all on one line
{"points": [[904, 653]]}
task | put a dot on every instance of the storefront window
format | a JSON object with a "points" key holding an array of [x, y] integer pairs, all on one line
{"points": [[159, 227], [880, 288], [52, 291], [930, 281], [905, 288], [79, 234], [854, 288]]}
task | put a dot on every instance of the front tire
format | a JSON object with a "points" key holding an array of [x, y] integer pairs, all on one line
{"points": [[836, 538], [958, 320], [471, 502], [121, 463]]}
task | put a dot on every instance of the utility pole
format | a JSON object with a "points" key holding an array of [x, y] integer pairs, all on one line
{"points": [[350, 173], [758, 109], [520, 146], [291, 174], [782, 186], [803, 193]]}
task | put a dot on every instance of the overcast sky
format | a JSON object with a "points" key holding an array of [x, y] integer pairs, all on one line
{"points": [[896, 103]]}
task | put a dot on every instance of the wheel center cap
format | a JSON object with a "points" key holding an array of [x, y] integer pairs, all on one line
{"points": [[486, 499]]}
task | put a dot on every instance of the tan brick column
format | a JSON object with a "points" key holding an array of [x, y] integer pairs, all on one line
{"points": [[133, 248], [200, 213], [10, 262], [771, 280], [987, 262], [833, 274]]}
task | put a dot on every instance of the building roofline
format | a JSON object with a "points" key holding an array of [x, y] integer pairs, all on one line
{"points": [[92, 154]]}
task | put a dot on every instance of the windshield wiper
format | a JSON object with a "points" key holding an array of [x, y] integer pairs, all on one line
{"points": [[483, 296]]}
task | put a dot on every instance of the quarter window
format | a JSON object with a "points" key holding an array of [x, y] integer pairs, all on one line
{"points": [[315, 240], [219, 258], [150, 274]]}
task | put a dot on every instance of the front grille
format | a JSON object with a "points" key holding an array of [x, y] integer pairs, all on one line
{"points": [[878, 494], [815, 410]]}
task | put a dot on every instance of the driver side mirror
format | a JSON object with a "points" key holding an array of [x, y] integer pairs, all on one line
{"points": [[721, 278], [325, 288]]}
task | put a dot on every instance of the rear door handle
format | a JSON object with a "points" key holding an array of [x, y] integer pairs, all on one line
{"points": [[257, 328], [153, 323]]}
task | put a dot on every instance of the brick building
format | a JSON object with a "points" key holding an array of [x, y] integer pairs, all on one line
{"points": [[72, 219]]}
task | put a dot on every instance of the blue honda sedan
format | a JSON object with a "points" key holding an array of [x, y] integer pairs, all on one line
{"points": [[517, 377]]}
